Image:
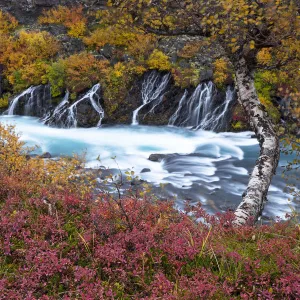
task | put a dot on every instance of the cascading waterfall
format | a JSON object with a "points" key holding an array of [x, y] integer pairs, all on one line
{"points": [[201, 110], [15, 101], [32, 102], [153, 90], [66, 115], [94, 99], [216, 120]]}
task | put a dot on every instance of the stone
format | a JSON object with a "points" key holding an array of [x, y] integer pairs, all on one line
{"points": [[206, 75], [157, 157], [46, 155], [146, 170]]}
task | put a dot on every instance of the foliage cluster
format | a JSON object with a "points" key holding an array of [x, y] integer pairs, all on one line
{"points": [[25, 57], [73, 18], [4, 100], [8, 23], [137, 44], [57, 240], [75, 73], [185, 77], [222, 72]]}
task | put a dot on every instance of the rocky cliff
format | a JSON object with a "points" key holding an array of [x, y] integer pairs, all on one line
{"points": [[27, 11]]}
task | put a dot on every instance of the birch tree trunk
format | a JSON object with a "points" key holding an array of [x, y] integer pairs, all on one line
{"points": [[255, 195]]}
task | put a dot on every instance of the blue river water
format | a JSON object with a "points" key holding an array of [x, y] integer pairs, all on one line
{"points": [[204, 166]]}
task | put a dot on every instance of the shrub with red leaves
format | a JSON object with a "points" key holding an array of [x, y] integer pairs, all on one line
{"points": [[61, 244]]}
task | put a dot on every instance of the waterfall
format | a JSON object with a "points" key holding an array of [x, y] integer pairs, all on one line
{"points": [[153, 90], [202, 110], [82, 111], [32, 102], [15, 101]]}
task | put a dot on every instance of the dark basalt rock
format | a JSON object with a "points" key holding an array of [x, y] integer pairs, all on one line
{"points": [[27, 11], [146, 170], [157, 157], [86, 115], [46, 155]]}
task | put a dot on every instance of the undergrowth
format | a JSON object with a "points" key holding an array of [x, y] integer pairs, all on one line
{"points": [[58, 240]]}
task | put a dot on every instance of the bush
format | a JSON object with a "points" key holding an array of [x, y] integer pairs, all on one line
{"points": [[25, 57], [8, 23], [159, 61], [4, 101], [72, 18], [76, 73], [57, 240], [137, 44]]}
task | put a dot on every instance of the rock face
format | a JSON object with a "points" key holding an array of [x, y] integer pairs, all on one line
{"points": [[27, 11]]}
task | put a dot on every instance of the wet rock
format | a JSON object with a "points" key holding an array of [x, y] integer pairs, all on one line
{"points": [[46, 155], [206, 75], [34, 103], [157, 157], [146, 170]]}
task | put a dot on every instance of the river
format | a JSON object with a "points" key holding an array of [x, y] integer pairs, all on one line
{"points": [[205, 166]]}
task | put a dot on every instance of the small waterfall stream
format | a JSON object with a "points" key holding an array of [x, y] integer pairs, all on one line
{"points": [[153, 90], [15, 101], [32, 102], [68, 116], [202, 110]]}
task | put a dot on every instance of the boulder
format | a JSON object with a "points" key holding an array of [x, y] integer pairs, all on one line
{"points": [[46, 155], [157, 157], [146, 170]]}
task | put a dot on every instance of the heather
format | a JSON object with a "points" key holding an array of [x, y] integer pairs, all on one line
{"points": [[60, 240]]}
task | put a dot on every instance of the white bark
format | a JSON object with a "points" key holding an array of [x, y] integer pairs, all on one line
{"points": [[256, 193]]}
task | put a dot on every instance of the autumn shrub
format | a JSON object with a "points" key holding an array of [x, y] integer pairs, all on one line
{"points": [[222, 72], [25, 57], [159, 61], [117, 82], [190, 49], [59, 240], [73, 18], [76, 73], [8, 23], [4, 101], [135, 43], [185, 77]]}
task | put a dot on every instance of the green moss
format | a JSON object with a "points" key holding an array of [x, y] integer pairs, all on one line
{"points": [[266, 91]]}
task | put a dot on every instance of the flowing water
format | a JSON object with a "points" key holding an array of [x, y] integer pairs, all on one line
{"points": [[153, 89], [201, 109], [208, 167]]}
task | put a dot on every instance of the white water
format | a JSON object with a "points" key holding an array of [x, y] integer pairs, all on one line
{"points": [[200, 110], [66, 115], [94, 99], [212, 167], [153, 90], [15, 101]]}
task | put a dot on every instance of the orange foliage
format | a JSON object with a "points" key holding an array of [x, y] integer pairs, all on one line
{"points": [[23, 54], [221, 72], [137, 44], [190, 49], [72, 18], [83, 70], [8, 23]]}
